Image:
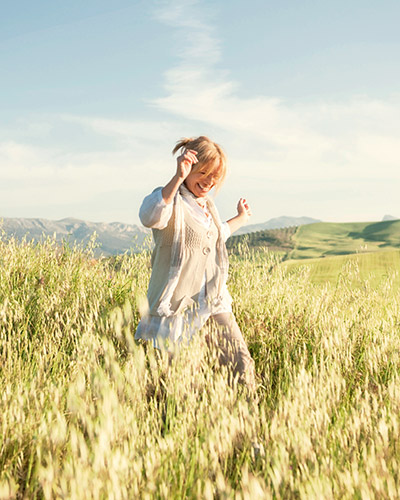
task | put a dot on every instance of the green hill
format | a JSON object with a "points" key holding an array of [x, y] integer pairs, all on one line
{"points": [[328, 238], [374, 267], [277, 240], [325, 239]]}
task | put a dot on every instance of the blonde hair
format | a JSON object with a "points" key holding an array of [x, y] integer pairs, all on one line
{"points": [[211, 157]]}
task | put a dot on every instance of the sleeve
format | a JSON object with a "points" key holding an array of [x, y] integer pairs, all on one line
{"points": [[226, 231], [154, 212]]}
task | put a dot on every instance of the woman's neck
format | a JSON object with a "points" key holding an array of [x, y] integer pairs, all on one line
{"points": [[202, 200]]}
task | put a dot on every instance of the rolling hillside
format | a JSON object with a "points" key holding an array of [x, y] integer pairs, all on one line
{"points": [[324, 239], [327, 238], [277, 240]]}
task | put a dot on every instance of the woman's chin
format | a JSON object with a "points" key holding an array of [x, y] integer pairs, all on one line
{"points": [[201, 192]]}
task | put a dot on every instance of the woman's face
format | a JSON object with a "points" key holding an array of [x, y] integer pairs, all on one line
{"points": [[199, 183]]}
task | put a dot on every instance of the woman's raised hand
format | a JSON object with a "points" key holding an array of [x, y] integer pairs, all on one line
{"points": [[185, 162], [244, 210], [184, 167], [243, 215]]}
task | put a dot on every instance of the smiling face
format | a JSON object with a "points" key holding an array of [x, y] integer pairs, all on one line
{"points": [[200, 182], [210, 169]]}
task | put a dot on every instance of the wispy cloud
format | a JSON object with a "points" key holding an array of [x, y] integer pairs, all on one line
{"points": [[36, 178], [195, 22], [317, 140], [131, 133]]}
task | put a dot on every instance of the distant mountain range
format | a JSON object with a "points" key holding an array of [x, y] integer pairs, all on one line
{"points": [[116, 238], [113, 238]]}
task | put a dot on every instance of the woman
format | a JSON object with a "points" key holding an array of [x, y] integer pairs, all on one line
{"points": [[190, 262]]}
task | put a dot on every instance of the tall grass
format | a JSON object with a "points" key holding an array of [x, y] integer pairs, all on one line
{"points": [[85, 412]]}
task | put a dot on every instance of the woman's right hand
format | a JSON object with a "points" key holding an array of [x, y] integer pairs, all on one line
{"points": [[185, 162]]}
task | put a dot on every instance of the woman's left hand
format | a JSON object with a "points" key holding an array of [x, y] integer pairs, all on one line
{"points": [[243, 215], [244, 210]]}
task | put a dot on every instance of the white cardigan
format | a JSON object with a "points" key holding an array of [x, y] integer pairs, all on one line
{"points": [[155, 213]]}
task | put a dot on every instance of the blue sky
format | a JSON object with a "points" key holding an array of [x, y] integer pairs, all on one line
{"points": [[303, 96]]}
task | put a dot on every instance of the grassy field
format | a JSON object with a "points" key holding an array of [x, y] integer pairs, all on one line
{"points": [[327, 238], [374, 268], [86, 413]]}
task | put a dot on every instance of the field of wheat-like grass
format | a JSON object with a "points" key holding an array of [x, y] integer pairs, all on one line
{"points": [[87, 413]]}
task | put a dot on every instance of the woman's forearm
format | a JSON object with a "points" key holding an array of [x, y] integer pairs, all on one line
{"points": [[169, 190], [183, 169], [237, 222], [243, 215]]}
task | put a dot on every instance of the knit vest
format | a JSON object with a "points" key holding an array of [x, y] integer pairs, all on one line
{"points": [[200, 260]]}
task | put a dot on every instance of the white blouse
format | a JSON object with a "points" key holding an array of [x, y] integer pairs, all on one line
{"points": [[155, 213]]}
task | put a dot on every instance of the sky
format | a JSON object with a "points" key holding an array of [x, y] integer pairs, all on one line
{"points": [[303, 96]]}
